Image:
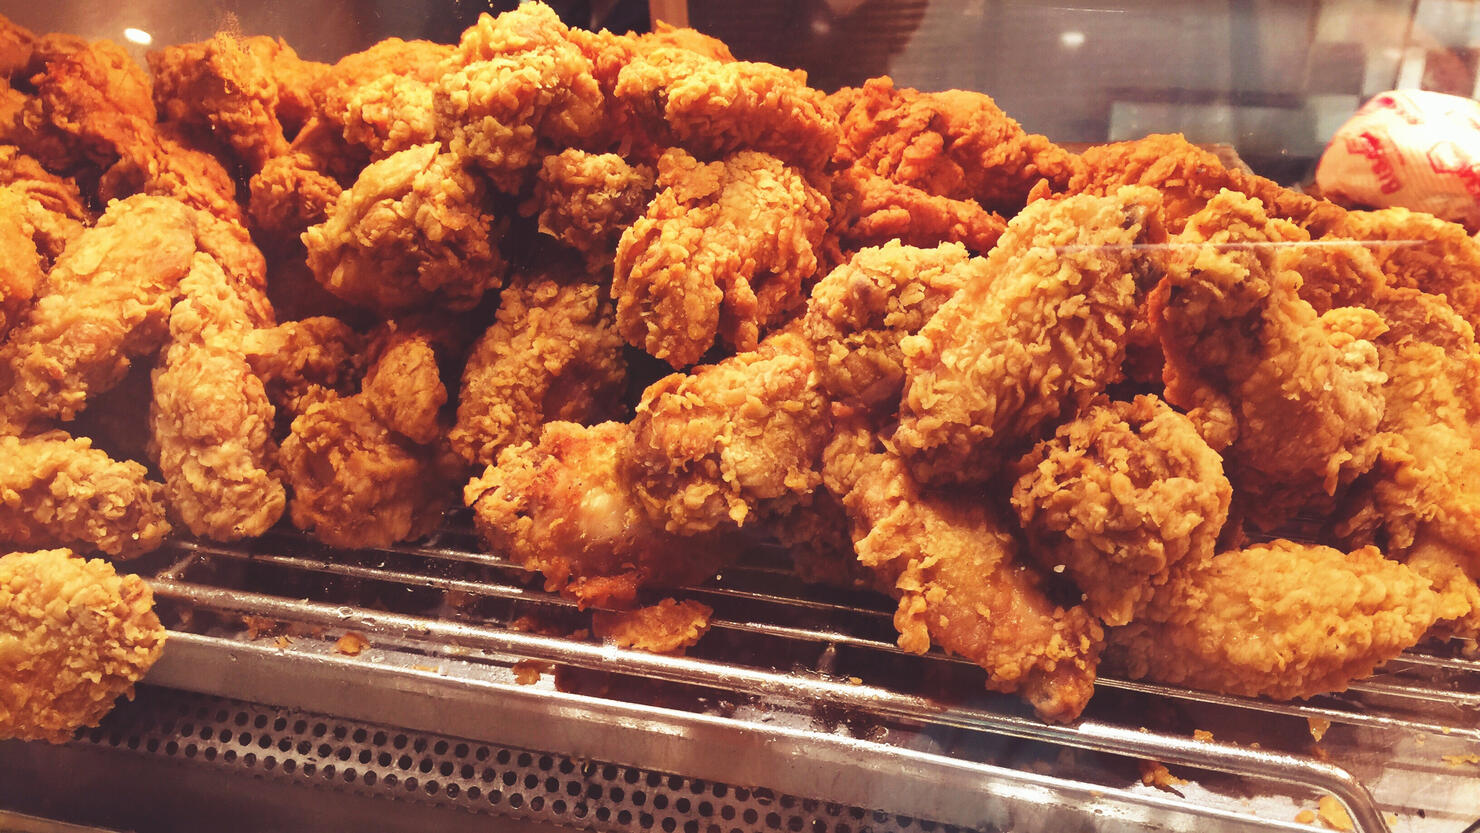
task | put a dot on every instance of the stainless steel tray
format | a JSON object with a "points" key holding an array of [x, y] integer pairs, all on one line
{"points": [[797, 690]]}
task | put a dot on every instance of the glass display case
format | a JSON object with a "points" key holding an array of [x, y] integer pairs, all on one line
{"points": [[445, 676]]}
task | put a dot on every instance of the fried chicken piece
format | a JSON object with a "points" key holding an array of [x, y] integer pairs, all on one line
{"points": [[1293, 396], [1189, 178], [667, 627], [860, 312], [870, 210], [288, 195], [1119, 496], [106, 301], [1421, 251], [712, 447], [380, 98], [714, 108], [517, 88], [725, 250], [224, 92], [1034, 335], [16, 43], [91, 101], [565, 506], [161, 165], [53, 205], [953, 144], [74, 636], [403, 387], [412, 232], [355, 482], [586, 200], [818, 537], [21, 270], [56, 491], [552, 354], [211, 422], [297, 360], [955, 569], [1280, 620]]}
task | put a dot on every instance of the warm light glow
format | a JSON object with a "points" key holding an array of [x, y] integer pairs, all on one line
{"points": [[138, 36], [1071, 39]]}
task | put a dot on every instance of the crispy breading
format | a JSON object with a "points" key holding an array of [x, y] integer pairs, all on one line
{"points": [[725, 250], [1293, 396], [586, 200], [211, 422], [1119, 496], [667, 627], [871, 210], [714, 108], [1418, 250], [1279, 620], [517, 88], [552, 354], [57, 491], [221, 91], [1188, 178], [74, 637], [953, 144], [106, 302], [564, 506], [955, 568], [296, 357], [860, 312], [413, 231], [712, 447], [1033, 335], [403, 387]]}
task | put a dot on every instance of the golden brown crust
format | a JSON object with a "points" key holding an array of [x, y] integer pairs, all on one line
{"points": [[76, 635]]}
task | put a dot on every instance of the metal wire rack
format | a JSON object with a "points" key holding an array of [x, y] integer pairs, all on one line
{"points": [[796, 690]]}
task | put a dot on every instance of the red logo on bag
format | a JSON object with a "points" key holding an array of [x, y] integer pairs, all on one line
{"points": [[1400, 108], [1369, 146], [1450, 158]]}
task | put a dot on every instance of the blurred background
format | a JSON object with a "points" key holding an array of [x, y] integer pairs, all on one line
{"points": [[1274, 78]]}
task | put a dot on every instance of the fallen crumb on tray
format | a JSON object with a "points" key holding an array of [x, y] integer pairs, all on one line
{"points": [[1318, 727], [664, 628], [1202, 735], [1305, 817], [1461, 760], [351, 644], [1333, 815], [283, 643], [1155, 774], [528, 672], [260, 626]]}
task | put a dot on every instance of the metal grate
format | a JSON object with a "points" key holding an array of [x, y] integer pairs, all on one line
{"points": [[808, 688]]}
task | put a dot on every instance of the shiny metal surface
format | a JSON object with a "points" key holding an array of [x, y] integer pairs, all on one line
{"points": [[802, 693]]}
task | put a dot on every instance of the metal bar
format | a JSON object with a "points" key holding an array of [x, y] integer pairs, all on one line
{"points": [[1216, 756]]}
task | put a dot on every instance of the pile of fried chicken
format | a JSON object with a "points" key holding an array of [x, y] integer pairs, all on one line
{"points": [[644, 306]]}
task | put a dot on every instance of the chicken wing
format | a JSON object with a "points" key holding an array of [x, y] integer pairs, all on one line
{"points": [[298, 360], [413, 231], [211, 421], [380, 99], [1119, 496], [1035, 333], [870, 210], [552, 354], [724, 251], [1294, 396], [403, 387], [105, 302], [952, 144], [56, 491], [667, 627], [712, 447], [860, 312], [1281, 620], [714, 108], [74, 637], [565, 506], [516, 89], [955, 569], [222, 92], [586, 200], [1421, 251], [1189, 178]]}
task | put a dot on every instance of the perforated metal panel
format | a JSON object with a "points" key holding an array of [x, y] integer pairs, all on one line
{"points": [[383, 761]]}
